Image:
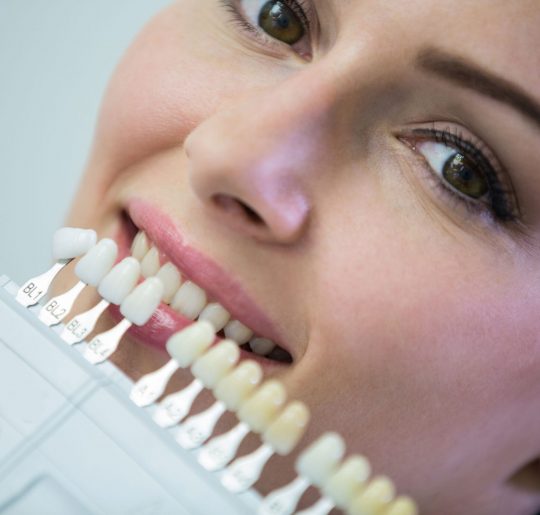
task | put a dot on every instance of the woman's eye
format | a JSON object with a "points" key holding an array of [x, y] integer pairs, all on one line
{"points": [[275, 22], [280, 21], [454, 168]]}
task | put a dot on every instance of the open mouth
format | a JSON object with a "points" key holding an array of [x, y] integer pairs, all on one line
{"points": [[194, 289]]}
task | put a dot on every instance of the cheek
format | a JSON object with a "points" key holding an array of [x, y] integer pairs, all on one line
{"points": [[447, 322], [156, 97], [182, 68]]}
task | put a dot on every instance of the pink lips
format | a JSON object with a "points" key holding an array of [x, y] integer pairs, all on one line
{"points": [[163, 232]]}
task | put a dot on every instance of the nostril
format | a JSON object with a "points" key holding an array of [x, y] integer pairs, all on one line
{"points": [[251, 214], [234, 205]]}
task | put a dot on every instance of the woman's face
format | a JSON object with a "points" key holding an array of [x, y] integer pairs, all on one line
{"points": [[366, 174]]}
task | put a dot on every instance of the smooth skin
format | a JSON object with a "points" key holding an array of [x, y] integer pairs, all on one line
{"points": [[413, 320]]}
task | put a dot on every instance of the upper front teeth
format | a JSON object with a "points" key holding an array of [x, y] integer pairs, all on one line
{"points": [[150, 263], [171, 279], [191, 300]]}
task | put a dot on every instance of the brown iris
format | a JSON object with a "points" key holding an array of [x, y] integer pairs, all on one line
{"points": [[463, 175], [280, 22]]}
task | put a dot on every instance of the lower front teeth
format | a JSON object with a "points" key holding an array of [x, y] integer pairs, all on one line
{"points": [[238, 332], [216, 314], [262, 346]]}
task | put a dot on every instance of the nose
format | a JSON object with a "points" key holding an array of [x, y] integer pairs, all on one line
{"points": [[253, 162]]}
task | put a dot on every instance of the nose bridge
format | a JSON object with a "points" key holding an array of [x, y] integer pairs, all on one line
{"points": [[262, 150], [287, 120]]}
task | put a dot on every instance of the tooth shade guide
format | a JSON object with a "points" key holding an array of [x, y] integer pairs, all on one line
{"points": [[390, 508], [113, 288], [347, 481], [402, 505], [374, 498], [90, 270]]}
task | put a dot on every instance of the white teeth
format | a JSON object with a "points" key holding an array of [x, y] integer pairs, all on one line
{"points": [[216, 314], [120, 281], [140, 246], [262, 346], [97, 262], [238, 332], [70, 242], [150, 263], [374, 498], [321, 458], [170, 277], [189, 344], [140, 304], [189, 300], [213, 366]]}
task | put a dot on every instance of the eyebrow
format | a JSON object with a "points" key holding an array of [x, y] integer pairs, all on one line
{"points": [[471, 76]]}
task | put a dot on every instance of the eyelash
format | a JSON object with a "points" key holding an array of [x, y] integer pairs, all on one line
{"points": [[502, 208], [299, 7]]}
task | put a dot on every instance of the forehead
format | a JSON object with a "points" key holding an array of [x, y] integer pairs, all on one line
{"points": [[503, 36]]}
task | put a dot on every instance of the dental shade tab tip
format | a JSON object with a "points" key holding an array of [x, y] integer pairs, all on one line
{"points": [[374, 498], [314, 466], [230, 392], [68, 243], [347, 481], [71, 242], [281, 437]]}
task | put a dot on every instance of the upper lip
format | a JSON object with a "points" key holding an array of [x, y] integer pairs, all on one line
{"points": [[202, 270]]}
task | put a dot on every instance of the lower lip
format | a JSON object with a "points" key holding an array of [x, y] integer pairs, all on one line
{"points": [[165, 321]]}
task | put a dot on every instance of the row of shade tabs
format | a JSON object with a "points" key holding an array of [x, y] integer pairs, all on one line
{"points": [[261, 407]]}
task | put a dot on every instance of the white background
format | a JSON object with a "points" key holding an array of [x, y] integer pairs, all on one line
{"points": [[55, 60]]}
